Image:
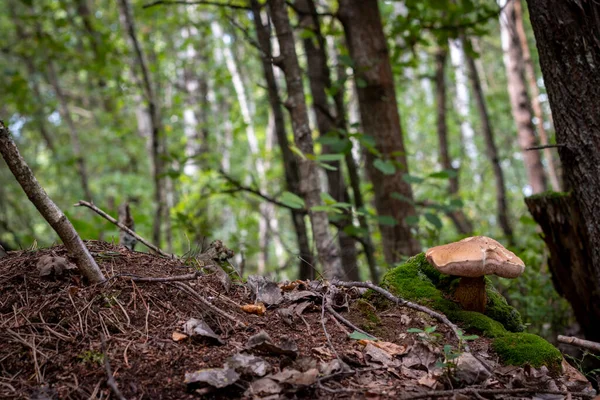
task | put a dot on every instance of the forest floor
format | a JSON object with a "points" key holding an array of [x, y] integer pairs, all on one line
{"points": [[206, 337]]}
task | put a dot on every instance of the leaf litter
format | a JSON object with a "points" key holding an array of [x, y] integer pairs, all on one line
{"points": [[163, 343]]}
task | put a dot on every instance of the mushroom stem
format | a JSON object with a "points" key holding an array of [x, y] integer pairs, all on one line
{"points": [[470, 293]]}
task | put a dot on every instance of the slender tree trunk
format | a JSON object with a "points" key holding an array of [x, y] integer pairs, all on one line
{"points": [[458, 217], [75, 141], [320, 80], [353, 174], [290, 165], [534, 92], [152, 101], [50, 211], [569, 31], [492, 150], [308, 170], [380, 119], [519, 98]]}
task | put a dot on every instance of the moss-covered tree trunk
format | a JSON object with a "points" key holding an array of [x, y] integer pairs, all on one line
{"points": [[568, 40], [570, 259]]}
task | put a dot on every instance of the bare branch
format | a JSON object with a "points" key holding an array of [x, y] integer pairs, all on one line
{"points": [[451, 393], [240, 187], [546, 146], [176, 278], [196, 3], [122, 227], [586, 344]]}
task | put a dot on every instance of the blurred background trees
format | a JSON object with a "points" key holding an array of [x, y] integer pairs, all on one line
{"points": [[402, 124]]}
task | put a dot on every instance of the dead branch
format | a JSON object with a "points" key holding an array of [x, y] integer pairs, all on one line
{"points": [[586, 344], [439, 316], [451, 393], [110, 381], [546, 146], [344, 321], [123, 227], [187, 277], [212, 307], [47, 208], [195, 3], [327, 335], [240, 187]]}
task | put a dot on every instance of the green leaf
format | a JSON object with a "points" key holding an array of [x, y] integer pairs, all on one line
{"points": [[387, 220], [361, 83], [330, 157], [456, 203], [412, 220], [445, 174], [297, 151], [347, 60], [412, 179], [327, 199], [385, 166], [291, 200], [414, 330], [356, 335], [326, 209], [401, 197], [434, 220], [327, 166]]}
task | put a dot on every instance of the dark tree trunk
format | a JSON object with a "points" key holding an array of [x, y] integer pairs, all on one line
{"points": [[491, 149], [568, 40], [570, 260], [458, 217], [380, 119], [320, 78], [520, 102], [290, 166]]}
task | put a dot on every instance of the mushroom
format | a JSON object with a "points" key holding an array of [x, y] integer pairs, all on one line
{"points": [[471, 259]]}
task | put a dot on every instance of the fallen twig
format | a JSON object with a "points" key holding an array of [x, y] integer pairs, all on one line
{"points": [[325, 328], [122, 227], [586, 344], [439, 316], [450, 393], [110, 381], [345, 321], [212, 307], [186, 277]]}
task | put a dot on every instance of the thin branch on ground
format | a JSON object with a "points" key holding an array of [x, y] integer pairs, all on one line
{"points": [[110, 381], [195, 3], [122, 227], [546, 146], [212, 307], [346, 322], [586, 344], [451, 393], [186, 277], [327, 335], [439, 316]]}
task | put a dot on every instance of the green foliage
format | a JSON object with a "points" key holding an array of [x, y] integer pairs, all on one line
{"points": [[525, 348]]}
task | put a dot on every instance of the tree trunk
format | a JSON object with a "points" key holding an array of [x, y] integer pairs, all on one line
{"points": [[534, 92], [320, 79], [290, 165], [458, 217], [50, 211], [351, 165], [568, 40], [152, 101], [380, 119], [519, 98], [492, 151], [308, 170], [570, 260]]}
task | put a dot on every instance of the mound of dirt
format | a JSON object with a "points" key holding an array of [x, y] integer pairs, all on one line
{"points": [[209, 337]]}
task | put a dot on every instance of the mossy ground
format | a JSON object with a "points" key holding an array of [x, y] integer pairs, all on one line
{"points": [[416, 280]]}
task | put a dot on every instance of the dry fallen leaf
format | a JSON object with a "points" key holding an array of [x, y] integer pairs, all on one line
{"points": [[258, 309], [391, 348], [178, 336], [428, 380]]}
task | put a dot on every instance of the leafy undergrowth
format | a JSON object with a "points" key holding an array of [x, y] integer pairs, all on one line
{"points": [[163, 341]]}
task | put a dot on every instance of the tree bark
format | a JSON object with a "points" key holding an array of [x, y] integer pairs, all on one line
{"points": [[534, 92], [520, 102], [353, 174], [492, 150], [290, 165], [320, 79], [50, 211], [152, 102], [568, 40], [461, 222], [570, 260], [380, 119], [308, 170]]}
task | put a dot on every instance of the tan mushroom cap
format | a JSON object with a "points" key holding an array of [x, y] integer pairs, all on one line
{"points": [[474, 257]]}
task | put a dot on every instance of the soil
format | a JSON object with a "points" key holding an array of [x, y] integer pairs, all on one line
{"points": [[52, 331]]}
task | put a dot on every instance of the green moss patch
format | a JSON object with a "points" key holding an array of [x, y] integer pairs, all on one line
{"points": [[523, 348], [416, 280]]}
